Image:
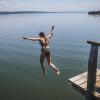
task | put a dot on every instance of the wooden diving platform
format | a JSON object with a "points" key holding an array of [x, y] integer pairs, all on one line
{"points": [[79, 82], [88, 83]]}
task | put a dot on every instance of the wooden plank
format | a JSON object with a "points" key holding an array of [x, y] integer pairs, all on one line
{"points": [[94, 43], [98, 84], [97, 95], [84, 80], [81, 78], [84, 85], [77, 77], [79, 82], [84, 91]]}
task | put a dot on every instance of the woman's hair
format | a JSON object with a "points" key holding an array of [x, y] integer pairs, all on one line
{"points": [[41, 34]]}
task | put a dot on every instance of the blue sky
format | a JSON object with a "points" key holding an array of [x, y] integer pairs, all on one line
{"points": [[49, 5]]}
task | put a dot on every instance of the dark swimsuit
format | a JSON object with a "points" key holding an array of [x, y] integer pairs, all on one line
{"points": [[45, 50]]}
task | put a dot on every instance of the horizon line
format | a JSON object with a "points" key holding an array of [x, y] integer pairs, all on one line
{"points": [[20, 12]]}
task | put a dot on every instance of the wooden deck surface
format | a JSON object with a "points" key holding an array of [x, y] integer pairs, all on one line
{"points": [[79, 82]]}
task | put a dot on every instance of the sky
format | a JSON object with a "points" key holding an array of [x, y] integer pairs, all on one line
{"points": [[49, 5]]}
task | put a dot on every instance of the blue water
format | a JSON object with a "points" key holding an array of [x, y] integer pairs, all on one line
{"points": [[21, 76]]}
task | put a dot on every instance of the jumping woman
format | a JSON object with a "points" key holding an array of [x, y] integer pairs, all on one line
{"points": [[45, 50]]}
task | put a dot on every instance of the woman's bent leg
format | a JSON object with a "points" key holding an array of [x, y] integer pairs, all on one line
{"points": [[52, 65], [54, 68]]}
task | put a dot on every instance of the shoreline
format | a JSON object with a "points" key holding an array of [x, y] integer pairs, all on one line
{"points": [[32, 12]]}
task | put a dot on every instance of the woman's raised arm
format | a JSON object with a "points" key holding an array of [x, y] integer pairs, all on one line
{"points": [[51, 32]]}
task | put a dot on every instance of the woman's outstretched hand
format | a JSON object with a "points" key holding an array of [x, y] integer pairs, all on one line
{"points": [[52, 28], [24, 37]]}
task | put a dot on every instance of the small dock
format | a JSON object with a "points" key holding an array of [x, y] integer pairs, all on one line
{"points": [[79, 82], [88, 83]]}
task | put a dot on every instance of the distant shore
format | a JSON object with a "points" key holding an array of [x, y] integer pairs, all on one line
{"points": [[94, 12], [31, 12], [20, 12]]}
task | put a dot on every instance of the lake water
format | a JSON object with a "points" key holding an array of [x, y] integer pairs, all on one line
{"points": [[21, 76]]}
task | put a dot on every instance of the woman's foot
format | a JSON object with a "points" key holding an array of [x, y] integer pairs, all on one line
{"points": [[45, 73], [58, 72]]}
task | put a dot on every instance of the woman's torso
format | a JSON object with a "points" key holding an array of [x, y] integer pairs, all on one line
{"points": [[44, 42]]}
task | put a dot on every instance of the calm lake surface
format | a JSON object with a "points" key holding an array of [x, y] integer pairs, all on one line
{"points": [[21, 76]]}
